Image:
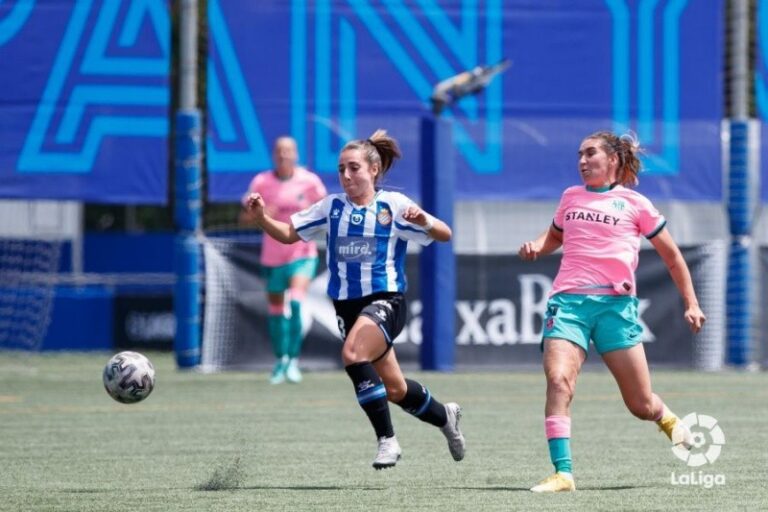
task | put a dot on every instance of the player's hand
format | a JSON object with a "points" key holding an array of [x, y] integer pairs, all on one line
{"points": [[255, 205], [529, 251], [695, 318], [416, 215], [254, 201]]}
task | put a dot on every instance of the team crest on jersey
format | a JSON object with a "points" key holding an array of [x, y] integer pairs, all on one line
{"points": [[384, 217], [357, 218]]}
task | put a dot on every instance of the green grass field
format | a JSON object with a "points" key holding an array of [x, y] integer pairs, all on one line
{"points": [[232, 442]]}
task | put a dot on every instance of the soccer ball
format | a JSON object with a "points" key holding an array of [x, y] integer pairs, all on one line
{"points": [[129, 377]]}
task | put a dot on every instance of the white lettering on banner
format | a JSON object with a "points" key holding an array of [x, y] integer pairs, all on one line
{"points": [[532, 286], [469, 314], [501, 324], [647, 335], [150, 325]]}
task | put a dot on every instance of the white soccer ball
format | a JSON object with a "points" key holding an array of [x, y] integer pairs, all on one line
{"points": [[129, 377]]}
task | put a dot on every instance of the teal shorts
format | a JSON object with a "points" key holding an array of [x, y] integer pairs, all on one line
{"points": [[610, 321], [279, 278]]}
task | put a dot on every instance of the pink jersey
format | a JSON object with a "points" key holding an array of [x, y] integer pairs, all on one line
{"points": [[284, 198], [601, 239]]}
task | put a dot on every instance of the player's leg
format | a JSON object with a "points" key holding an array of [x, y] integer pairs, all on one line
{"points": [[389, 314], [364, 343], [417, 400], [562, 363], [566, 334], [302, 272], [617, 339], [277, 323], [630, 369], [277, 326]]}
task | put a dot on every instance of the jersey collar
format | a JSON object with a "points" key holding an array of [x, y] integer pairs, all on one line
{"points": [[602, 189], [360, 207]]}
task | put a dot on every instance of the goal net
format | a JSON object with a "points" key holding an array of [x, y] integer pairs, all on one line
{"points": [[31, 238], [235, 315]]}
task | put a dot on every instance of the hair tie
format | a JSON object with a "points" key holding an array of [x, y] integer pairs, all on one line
{"points": [[369, 141]]}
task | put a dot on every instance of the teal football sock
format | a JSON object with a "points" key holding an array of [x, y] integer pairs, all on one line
{"points": [[295, 336], [277, 326], [560, 454]]}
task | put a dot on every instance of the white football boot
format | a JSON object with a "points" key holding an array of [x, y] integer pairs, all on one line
{"points": [[451, 431], [292, 372], [389, 453]]}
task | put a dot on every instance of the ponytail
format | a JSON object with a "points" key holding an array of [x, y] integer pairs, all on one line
{"points": [[379, 149]]}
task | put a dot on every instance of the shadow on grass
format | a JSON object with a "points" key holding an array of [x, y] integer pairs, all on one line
{"points": [[527, 489], [489, 488], [358, 488], [296, 488], [242, 488], [613, 487]]}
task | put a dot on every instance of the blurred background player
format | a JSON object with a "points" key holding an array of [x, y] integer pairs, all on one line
{"points": [[599, 225], [368, 230], [288, 269]]}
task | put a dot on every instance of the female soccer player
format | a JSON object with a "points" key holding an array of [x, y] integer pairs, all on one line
{"points": [[288, 270], [593, 296], [367, 230]]}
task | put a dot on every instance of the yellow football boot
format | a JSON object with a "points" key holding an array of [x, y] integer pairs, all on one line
{"points": [[559, 482], [677, 431]]}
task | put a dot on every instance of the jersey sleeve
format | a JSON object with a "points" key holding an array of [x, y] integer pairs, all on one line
{"points": [[317, 190], [312, 223], [558, 219], [407, 230], [649, 221]]}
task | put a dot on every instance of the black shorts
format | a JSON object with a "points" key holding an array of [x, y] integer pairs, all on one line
{"points": [[387, 310]]}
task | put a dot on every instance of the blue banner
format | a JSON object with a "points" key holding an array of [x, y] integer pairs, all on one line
{"points": [[761, 92], [325, 71], [85, 100]]}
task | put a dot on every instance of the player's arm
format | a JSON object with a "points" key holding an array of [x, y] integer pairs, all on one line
{"points": [[280, 231], [246, 217], [678, 269], [547, 243], [436, 228]]}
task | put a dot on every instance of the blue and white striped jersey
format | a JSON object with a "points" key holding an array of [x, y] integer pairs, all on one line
{"points": [[366, 244]]}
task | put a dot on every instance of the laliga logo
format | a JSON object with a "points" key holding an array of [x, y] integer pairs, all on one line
{"points": [[708, 440]]}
